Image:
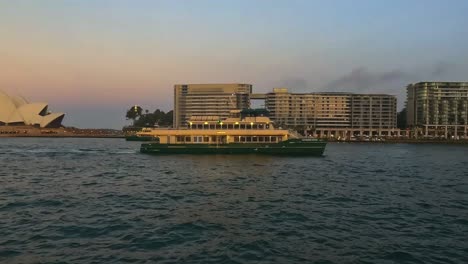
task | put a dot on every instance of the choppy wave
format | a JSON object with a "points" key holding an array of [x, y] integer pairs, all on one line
{"points": [[86, 200], [66, 151]]}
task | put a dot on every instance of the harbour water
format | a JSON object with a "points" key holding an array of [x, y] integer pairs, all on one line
{"points": [[99, 200]]}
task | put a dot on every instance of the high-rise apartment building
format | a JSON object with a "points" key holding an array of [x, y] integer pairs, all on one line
{"points": [[438, 108], [308, 109], [208, 100], [334, 113], [372, 111]]}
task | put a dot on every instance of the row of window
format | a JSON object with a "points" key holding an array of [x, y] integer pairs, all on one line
{"points": [[215, 139], [229, 126], [196, 139], [243, 139]]}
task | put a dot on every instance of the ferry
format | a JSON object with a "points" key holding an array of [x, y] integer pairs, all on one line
{"points": [[234, 135]]}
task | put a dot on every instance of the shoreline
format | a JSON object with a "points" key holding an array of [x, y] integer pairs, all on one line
{"points": [[62, 132], [407, 141], [61, 136], [393, 141]]}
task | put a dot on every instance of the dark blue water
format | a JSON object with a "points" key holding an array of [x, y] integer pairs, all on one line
{"points": [[99, 200]]}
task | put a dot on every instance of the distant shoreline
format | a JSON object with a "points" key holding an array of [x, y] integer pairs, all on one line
{"points": [[407, 141], [61, 136], [62, 132], [392, 141]]}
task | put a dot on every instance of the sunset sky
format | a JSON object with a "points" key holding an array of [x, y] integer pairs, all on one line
{"points": [[94, 59]]}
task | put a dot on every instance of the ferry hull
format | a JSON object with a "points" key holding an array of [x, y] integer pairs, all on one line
{"points": [[139, 138], [284, 148]]}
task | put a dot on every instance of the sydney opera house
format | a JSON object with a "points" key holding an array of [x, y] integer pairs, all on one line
{"points": [[16, 111]]}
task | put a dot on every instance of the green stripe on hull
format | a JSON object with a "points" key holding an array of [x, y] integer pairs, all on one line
{"points": [[139, 138], [284, 148]]}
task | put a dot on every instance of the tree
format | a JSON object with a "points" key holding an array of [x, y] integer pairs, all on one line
{"points": [[401, 119], [167, 119], [148, 119], [134, 112]]}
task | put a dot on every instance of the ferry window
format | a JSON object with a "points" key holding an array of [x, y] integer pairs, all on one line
{"points": [[261, 139], [187, 139], [213, 138], [230, 126], [199, 126], [267, 126], [242, 139], [206, 139], [255, 126], [212, 126], [273, 139], [236, 139], [254, 139], [261, 126], [249, 139], [242, 126]]}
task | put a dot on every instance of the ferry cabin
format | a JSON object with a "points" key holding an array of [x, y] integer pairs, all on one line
{"points": [[211, 130]]}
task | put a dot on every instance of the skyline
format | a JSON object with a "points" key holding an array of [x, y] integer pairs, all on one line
{"points": [[93, 60]]}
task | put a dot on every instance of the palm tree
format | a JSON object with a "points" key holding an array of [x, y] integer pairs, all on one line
{"points": [[133, 113]]}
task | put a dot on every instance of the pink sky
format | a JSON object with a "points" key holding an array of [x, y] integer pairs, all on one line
{"points": [[93, 59]]}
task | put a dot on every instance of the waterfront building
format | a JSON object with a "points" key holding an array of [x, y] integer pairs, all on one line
{"points": [[370, 111], [17, 111], [438, 109], [208, 100], [334, 114]]}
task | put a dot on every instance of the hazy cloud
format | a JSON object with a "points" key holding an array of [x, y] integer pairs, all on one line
{"points": [[364, 80], [441, 68], [294, 84]]}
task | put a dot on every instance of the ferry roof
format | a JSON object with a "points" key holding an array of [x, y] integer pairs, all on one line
{"points": [[247, 119]]}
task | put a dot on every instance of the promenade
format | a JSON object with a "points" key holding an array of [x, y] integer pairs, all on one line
{"points": [[26, 131]]}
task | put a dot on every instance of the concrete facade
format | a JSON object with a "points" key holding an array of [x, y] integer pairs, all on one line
{"points": [[334, 114], [208, 100], [319, 114], [438, 109]]}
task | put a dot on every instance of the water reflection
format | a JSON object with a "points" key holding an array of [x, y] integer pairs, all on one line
{"points": [[102, 201]]}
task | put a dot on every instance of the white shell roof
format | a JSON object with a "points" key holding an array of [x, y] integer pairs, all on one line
{"points": [[18, 100], [18, 110], [7, 107]]}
